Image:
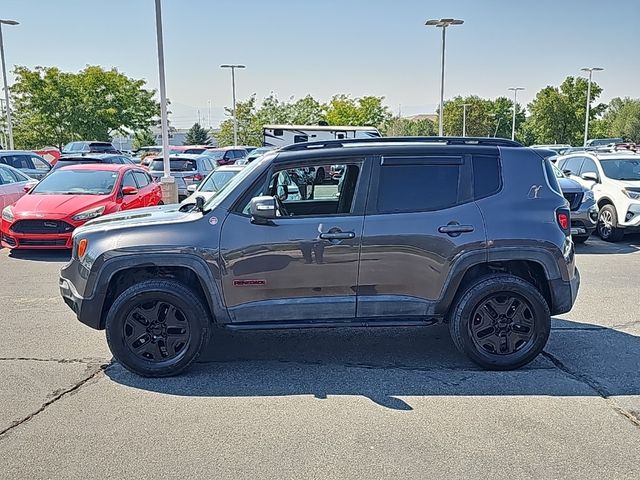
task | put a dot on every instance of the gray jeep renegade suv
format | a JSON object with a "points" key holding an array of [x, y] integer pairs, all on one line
{"points": [[473, 232]]}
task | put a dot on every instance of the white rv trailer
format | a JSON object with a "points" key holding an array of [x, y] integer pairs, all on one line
{"points": [[280, 135]]}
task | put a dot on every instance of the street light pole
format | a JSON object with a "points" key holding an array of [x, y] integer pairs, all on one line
{"points": [[167, 182], [586, 119], [515, 99], [464, 118], [233, 92], [442, 23], [4, 79]]}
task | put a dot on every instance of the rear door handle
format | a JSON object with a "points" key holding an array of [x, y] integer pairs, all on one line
{"points": [[337, 235], [455, 229]]}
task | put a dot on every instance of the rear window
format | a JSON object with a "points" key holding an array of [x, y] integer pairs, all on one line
{"points": [[64, 163], [101, 147], [407, 188], [486, 176], [182, 165]]}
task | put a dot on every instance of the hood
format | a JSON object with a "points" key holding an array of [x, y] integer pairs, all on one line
{"points": [[31, 205], [568, 185], [163, 214], [634, 184]]}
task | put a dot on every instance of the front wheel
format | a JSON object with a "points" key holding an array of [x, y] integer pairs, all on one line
{"points": [[157, 328], [500, 322], [608, 224]]}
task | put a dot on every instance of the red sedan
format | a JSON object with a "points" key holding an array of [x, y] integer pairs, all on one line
{"points": [[70, 196]]}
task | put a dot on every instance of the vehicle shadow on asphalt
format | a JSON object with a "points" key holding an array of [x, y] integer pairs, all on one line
{"points": [[596, 246], [393, 367], [41, 255]]}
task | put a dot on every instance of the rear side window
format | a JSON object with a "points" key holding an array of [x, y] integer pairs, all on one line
{"points": [[142, 179], [486, 176], [410, 188]]}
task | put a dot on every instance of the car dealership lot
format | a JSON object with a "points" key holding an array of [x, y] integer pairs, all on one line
{"points": [[323, 404]]}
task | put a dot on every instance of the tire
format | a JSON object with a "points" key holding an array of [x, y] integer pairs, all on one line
{"points": [[140, 323], [608, 224], [476, 341], [320, 176], [580, 238]]}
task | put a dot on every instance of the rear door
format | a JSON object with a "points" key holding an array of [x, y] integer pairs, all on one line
{"points": [[303, 265], [420, 218]]}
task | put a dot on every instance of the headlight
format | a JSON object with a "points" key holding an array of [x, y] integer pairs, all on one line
{"points": [[7, 214], [631, 194], [88, 214], [588, 197]]}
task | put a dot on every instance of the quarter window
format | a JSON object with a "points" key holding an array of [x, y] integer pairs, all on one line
{"points": [[409, 188], [486, 176]]}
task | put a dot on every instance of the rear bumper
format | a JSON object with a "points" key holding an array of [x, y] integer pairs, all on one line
{"points": [[564, 293], [584, 220]]}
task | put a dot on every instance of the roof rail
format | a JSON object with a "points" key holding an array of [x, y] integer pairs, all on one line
{"points": [[485, 141]]}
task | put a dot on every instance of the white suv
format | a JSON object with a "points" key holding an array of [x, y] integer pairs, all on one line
{"points": [[615, 181]]}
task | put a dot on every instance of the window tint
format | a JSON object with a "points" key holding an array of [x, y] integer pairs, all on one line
{"points": [[142, 179], [589, 166], [128, 180], [407, 188], [486, 176], [573, 164], [17, 161], [40, 164]]}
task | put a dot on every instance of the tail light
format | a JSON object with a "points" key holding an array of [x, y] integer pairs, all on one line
{"points": [[195, 178], [563, 216]]}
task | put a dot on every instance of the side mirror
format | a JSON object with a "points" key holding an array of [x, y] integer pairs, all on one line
{"points": [[200, 203], [192, 188], [28, 187], [590, 176], [129, 190], [567, 172], [263, 209]]}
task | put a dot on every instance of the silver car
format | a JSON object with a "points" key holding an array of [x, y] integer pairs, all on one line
{"points": [[13, 185], [29, 163], [186, 169]]}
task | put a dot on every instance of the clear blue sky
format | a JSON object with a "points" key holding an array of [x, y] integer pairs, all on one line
{"points": [[359, 47]]}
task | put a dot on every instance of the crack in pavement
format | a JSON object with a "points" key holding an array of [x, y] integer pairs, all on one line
{"points": [[90, 361], [58, 395], [595, 386]]}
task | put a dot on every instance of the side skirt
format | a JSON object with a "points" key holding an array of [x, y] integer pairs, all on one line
{"points": [[375, 322]]}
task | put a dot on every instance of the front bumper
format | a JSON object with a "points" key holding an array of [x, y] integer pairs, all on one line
{"points": [[630, 217], [14, 240], [584, 220], [87, 309]]}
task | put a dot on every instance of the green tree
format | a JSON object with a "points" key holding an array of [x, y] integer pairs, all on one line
{"points": [[408, 127], [623, 119], [249, 125], [365, 111], [143, 138], [197, 135], [55, 107], [557, 113]]}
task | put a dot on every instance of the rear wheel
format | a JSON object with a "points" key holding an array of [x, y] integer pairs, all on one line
{"points": [[608, 224], [157, 328], [500, 322], [580, 238]]}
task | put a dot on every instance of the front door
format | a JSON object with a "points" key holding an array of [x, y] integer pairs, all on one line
{"points": [[303, 265]]}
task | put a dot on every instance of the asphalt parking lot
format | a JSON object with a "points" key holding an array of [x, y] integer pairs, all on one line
{"points": [[388, 403]]}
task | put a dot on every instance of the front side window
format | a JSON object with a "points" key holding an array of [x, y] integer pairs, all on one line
{"points": [[217, 180], [418, 187], [7, 177], [129, 181], [589, 166]]}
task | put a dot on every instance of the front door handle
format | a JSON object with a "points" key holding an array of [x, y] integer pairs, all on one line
{"points": [[454, 229], [337, 235]]}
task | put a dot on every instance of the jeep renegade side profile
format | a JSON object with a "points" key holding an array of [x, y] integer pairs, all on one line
{"points": [[473, 232]]}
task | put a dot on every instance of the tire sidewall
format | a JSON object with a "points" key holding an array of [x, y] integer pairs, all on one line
{"points": [[616, 233], [474, 296], [171, 292]]}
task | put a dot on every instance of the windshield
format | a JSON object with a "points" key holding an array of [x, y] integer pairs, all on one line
{"points": [[216, 180], [214, 201], [621, 168], [77, 182], [176, 165], [215, 154]]}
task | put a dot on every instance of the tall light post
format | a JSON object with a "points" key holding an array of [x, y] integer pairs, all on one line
{"points": [[515, 99], [167, 182], [4, 79], [233, 88], [586, 118], [464, 118], [442, 23]]}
